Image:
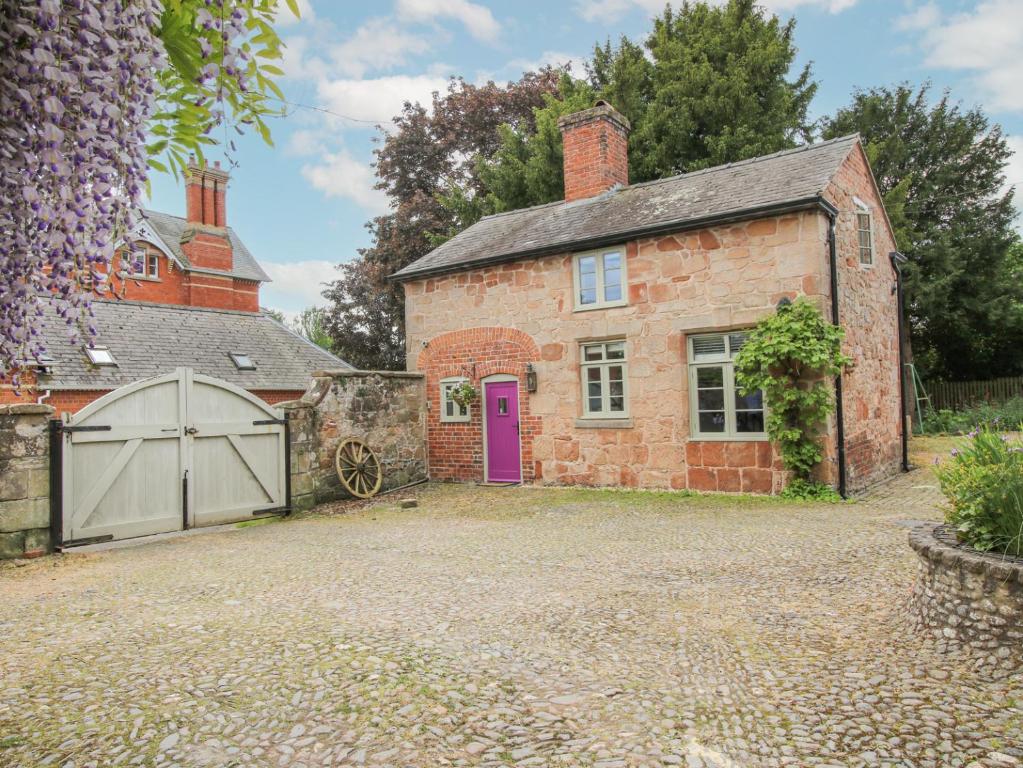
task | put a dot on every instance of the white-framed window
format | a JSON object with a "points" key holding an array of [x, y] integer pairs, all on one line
{"points": [[605, 379], [450, 411], [147, 261], [864, 233], [599, 279], [100, 356], [718, 411], [151, 265]]}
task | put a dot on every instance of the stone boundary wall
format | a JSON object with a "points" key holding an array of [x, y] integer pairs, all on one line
{"points": [[967, 600], [24, 480], [385, 409]]}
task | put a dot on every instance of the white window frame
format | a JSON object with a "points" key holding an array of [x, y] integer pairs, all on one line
{"points": [[601, 302], [604, 364], [725, 361], [101, 357], [862, 209], [461, 413], [156, 265]]}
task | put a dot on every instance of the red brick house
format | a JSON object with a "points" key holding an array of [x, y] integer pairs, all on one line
{"points": [[194, 304], [600, 330]]}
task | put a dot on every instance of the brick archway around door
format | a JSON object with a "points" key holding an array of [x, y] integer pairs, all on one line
{"points": [[456, 448]]}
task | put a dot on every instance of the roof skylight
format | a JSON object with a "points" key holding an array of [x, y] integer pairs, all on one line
{"points": [[100, 356], [242, 361]]}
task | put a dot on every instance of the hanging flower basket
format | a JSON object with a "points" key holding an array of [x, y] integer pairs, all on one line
{"points": [[465, 394]]}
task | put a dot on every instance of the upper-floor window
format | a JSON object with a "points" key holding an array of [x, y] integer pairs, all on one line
{"points": [[151, 265], [865, 232], [449, 409], [605, 380], [599, 279], [141, 264], [718, 410]]}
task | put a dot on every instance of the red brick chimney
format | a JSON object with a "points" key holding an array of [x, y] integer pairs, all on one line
{"points": [[205, 240], [206, 194], [596, 151]]}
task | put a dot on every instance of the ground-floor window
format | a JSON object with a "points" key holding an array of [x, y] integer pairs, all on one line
{"points": [[450, 411], [604, 380], [718, 411]]}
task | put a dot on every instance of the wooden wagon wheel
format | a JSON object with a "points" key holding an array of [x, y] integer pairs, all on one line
{"points": [[358, 468]]}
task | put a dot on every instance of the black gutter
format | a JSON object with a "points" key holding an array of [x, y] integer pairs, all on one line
{"points": [[774, 209], [839, 405], [897, 261]]}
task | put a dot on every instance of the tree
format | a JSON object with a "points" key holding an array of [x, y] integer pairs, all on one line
{"points": [[430, 157], [81, 82], [941, 171], [708, 86], [311, 324]]}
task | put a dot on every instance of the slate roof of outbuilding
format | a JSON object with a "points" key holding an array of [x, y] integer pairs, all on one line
{"points": [[170, 228], [793, 178], [152, 339]]}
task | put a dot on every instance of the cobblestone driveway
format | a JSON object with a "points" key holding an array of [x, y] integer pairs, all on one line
{"points": [[495, 627]]}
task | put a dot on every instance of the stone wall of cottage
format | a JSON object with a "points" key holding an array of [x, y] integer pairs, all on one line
{"points": [[709, 280], [868, 310], [24, 480], [715, 279], [386, 410]]}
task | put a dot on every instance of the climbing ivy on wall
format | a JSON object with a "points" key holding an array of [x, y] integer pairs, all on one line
{"points": [[792, 355]]}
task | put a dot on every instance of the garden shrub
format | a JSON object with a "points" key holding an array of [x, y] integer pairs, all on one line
{"points": [[792, 355], [949, 422], [808, 490], [983, 481]]}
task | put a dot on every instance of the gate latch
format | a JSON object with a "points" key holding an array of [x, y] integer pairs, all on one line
{"points": [[190, 430]]}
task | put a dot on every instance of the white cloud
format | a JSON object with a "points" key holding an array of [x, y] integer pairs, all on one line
{"points": [[1014, 174], [285, 18], [379, 44], [986, 41], [305, 142], [552, 58], [609, 11], [477, 19], [923, 17], [339, 174], [297, 284], [377, 99]]}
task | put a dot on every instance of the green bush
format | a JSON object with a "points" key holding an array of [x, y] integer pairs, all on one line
{"points": [[948, 422], [983, 482], [808, 490]]}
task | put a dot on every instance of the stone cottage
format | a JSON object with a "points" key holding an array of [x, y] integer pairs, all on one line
{"points": [[601, 330]]}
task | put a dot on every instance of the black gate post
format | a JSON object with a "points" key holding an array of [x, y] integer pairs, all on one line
{"points": [[56, 483]]}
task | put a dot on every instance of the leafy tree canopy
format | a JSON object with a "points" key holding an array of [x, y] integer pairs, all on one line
{"points": [[941, 171]]}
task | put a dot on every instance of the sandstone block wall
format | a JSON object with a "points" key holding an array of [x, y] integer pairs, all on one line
{"points": [[386, 410], [24, 480], [969, 601]]}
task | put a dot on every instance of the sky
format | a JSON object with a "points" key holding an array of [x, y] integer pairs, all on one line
{"points": [[301, 206]]}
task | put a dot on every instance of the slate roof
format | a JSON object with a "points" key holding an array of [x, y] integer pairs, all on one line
{"points": [[170, 229], [152, 339], [787, 180]]}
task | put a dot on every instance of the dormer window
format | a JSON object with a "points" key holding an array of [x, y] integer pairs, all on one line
{"points": [[100, 356], [599, 279], [151, 265], [242, 361]]}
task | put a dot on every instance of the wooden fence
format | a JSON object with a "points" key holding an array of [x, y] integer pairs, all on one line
{"points": [[954, 395]]}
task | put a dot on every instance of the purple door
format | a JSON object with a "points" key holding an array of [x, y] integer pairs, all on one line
{"points": [[502, 403]]}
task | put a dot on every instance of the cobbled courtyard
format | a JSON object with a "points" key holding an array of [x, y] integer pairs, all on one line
{"points": [[497, 627]]}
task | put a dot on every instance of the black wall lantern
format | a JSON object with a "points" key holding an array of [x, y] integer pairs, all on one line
{"points": [[530, 378]]}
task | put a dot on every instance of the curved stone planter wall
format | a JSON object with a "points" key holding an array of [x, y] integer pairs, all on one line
{"points": [[969, 601]]}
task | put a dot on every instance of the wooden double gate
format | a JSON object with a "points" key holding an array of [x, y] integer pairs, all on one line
{"points": [[165, 454]]}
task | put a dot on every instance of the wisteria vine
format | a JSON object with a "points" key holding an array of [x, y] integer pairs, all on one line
{"points": [[83, 85]]}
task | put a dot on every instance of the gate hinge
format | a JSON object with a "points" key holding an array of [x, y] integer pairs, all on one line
{"points": [[264, 422], [69, 428]]}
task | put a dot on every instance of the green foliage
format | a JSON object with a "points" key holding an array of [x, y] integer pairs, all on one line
{"points": [[708, 86], [949, 422], [800, 489], [222, 65], [983, 481], [790, 355], [312, 324], [941, 171], [465, 394]]}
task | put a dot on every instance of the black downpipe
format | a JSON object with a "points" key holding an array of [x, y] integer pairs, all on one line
{"points": [[184, 501], [839, 406], [56, 484], [287, 462], [897, 260]]}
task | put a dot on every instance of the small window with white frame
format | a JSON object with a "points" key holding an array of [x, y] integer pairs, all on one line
{"points": [[100, 356], [151, 265], [450, 411], [718, 410], [864, 233], [599, 279], [605, 380]]}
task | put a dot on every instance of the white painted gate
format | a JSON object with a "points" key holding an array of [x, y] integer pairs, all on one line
{"points": [[173, 452]]}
